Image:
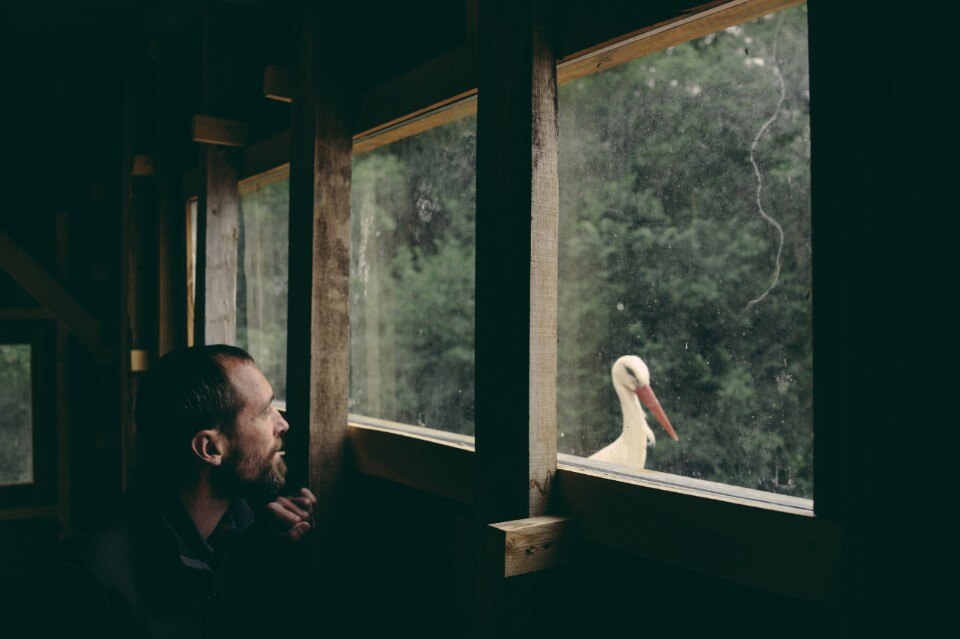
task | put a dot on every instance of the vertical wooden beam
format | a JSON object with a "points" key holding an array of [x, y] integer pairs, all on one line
{"points": [[62, 395], [516, 297], [320, 172], [218, 209], [517, 199], [171, 240]]}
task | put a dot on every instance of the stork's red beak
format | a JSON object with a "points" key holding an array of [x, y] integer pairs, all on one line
{"points": [[645, 393]]}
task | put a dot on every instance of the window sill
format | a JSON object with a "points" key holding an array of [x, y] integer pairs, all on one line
{"points": [[763, 540]]}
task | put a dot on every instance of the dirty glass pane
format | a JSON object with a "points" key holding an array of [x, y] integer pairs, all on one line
{"points": [[262, 246], [685, 240], [412, 280], [16, 415]]}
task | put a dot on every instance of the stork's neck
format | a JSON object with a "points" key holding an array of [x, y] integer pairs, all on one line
{"points": [[634, 421]]}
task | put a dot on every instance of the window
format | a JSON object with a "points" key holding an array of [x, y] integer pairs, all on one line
{"points": [[16, 415], [685, 240], [262, 248], [412, 280]]}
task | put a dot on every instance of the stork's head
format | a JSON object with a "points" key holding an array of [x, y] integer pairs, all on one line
{"points": [[631, 373]]}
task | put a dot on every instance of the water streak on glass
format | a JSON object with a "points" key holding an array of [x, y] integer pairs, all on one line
{"points": [[412, 280]]}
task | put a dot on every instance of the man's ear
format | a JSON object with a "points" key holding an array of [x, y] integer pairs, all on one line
{"points": [[208, 445]]}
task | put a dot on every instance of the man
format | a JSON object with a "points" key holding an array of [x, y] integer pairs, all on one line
{"points": [[184, 555]]}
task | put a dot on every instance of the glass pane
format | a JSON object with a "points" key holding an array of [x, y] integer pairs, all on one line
{"points": [[685, 240], [412, 279], [16, 415], [262, 247]]}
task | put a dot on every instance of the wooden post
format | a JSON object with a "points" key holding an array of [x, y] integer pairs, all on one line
{"points": [[62, 395], [171, 263], [218, 207], [318, 335], [517, 198], [516, 329]]}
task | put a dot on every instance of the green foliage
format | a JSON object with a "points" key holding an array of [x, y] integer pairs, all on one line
{"points": [[16, 409]]}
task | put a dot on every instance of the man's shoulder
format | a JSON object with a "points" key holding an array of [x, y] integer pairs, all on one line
{"points": [[110, 540]]}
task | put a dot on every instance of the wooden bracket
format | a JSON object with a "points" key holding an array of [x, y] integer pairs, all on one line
{"points": [[536, 543], [278, 83], [140, 360], [210, 130], [142, 166]]}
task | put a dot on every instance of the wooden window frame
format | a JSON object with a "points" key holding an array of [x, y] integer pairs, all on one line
{"points": [[719, 530]]}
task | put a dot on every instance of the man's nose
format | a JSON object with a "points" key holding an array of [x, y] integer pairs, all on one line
{"points": [[283, 425]]}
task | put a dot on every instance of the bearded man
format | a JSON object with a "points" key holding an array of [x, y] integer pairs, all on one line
{"points": [[185, 555]]}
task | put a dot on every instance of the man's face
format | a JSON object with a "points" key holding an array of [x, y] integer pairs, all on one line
{"points": [[254, 461]]}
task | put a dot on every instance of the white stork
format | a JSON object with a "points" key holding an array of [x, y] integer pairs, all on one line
{"points": [[631, 380]]}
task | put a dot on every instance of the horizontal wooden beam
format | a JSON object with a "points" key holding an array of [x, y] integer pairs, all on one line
{"points": [[693, 23], [417, 457], [25, 314], [535, 543], [219, 131], [278, 83], [791, 554], [31, 512], [45, 289]]}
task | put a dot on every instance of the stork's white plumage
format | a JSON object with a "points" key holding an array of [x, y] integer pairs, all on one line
{"points": [[631, 381]]}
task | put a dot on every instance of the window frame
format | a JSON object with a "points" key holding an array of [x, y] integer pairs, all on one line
{"points": [[731, 534]]}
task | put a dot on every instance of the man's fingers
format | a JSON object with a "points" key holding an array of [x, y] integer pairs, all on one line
{"points": [[308, 496], [295, 509], [284, 514], [297, 532]]}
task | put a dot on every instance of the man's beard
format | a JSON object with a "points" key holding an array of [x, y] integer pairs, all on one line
{"points": [[243, 474]]}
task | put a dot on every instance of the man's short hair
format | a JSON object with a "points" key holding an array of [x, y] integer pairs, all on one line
{"points": [[187, 390]]}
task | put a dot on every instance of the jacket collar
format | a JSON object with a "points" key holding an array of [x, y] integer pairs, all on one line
{"points": [[194, 551]]}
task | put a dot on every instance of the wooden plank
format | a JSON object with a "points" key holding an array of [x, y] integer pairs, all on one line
{"points": [[516, 262], [444, 80], [266, 155], [320, 173], [450, 112], [219, 131], [431, 464], [171, 243], [535, 543], [26, 314], [740, 543], [515, 374], [46, 290], [277, 83], [140, 360], [62, 394], [696, 22], [218, 203], [32, 512], [687, 485]]}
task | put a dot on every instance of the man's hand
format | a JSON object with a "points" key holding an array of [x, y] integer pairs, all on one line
{"points": [[294, 514]]}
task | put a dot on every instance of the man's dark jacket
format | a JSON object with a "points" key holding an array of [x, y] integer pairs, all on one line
{"points": [[142, 570]]}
